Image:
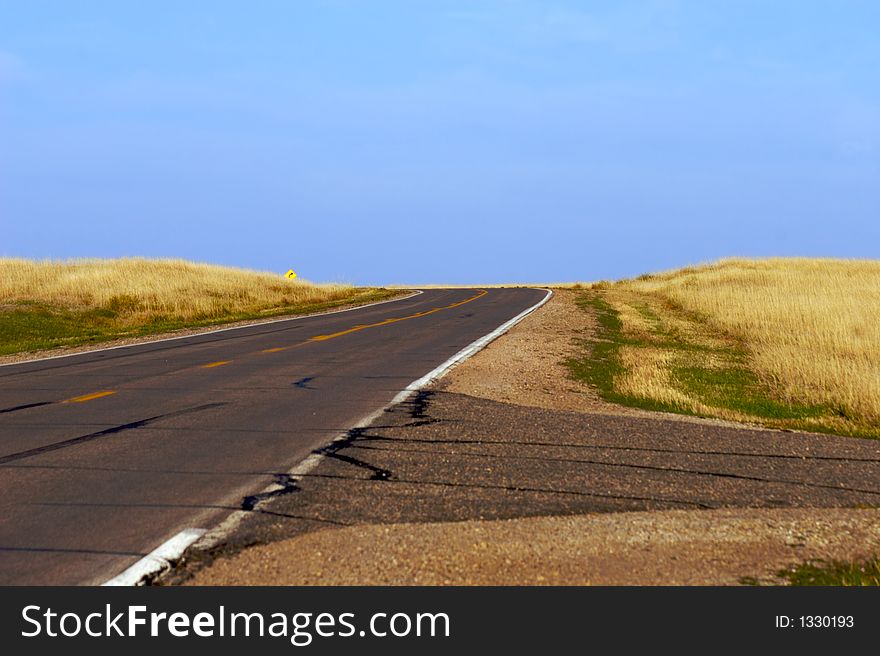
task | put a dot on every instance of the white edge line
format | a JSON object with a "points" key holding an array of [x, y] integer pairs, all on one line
{"points": [[173, 549], [157, 560], [219, 533], [210, 332]]}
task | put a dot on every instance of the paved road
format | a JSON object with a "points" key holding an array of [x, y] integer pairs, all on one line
{"points": [[105, 455]]}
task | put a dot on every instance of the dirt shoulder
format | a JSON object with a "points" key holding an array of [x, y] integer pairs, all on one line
{"points": [[664, 547], [509, 473], [526, 365]]}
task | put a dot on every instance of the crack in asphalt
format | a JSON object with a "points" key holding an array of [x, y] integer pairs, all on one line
{"points": [[353, 435], [140, 423], [286, 483], [612, 447], [25, 407], [519, 488], [676, 470], [418, 409], [98, 552]]}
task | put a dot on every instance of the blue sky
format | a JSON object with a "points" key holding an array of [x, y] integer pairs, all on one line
{"points": [[375, 141]]}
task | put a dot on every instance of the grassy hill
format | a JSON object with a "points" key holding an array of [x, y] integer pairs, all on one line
{"points": [[47, 304], [785, 342]]}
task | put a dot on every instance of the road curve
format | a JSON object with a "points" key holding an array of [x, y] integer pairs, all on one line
{"points": [[107, 454]]}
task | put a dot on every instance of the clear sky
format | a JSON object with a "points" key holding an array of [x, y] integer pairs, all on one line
{"points": [[380, 141]]}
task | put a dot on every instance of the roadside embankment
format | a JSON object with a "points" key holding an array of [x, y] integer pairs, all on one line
{"points": [[73, 304], [784, 343]]}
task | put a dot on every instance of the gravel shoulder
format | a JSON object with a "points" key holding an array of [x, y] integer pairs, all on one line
{"points": [[507, 472], [526, 367], [641, 548]]}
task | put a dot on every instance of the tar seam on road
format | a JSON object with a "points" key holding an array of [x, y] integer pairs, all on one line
{"points": [[140, 423]]}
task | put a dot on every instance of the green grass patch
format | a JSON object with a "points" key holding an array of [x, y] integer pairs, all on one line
{"points": [[708, 367], [28, 327], [601, 364], [840, 573], [739, 389]]}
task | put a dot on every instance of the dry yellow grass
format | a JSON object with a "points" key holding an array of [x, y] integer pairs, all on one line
{"points": [[49, 304], [147, 287], [809, 328]]}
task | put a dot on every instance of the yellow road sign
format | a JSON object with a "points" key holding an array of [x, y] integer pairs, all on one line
{"points": [[291, 274]]}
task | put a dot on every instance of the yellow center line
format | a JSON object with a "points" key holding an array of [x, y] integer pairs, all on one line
{"points": [[318, 338], [89, 397], [354, 329]]}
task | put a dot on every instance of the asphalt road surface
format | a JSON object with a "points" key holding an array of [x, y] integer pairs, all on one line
{"points": [[106, 455]]}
